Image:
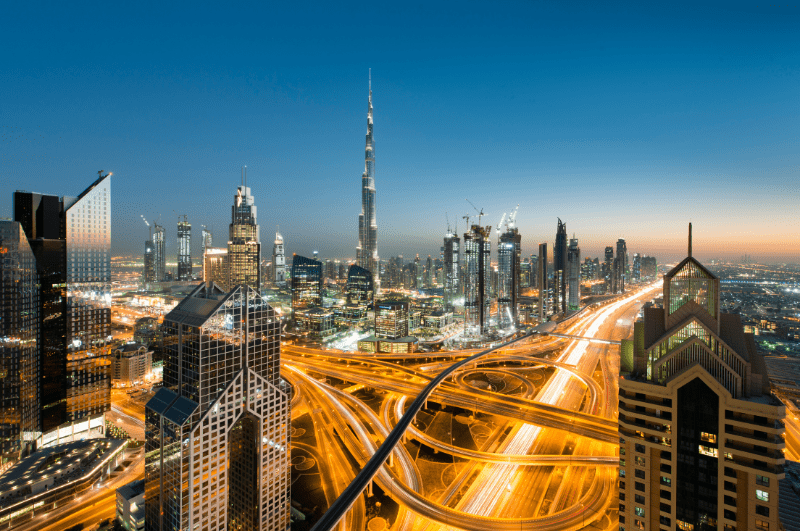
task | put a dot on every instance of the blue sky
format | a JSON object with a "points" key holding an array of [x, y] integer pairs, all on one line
{"points": [[624, 120]]}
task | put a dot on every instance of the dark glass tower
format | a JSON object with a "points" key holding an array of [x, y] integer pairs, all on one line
{"points": [[217, 432], [244, 245], [360, 288], [159, 253], [452, 269], [306, 283], [509, 258], [608, 269], [20, 347], [71, 240], [560, 268], [541, 282], [477, 254], [620, 267], [149, 274], [574, 273], [367, 252]]}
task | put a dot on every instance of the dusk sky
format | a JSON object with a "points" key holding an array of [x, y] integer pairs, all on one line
{"points": [[626, 120]]}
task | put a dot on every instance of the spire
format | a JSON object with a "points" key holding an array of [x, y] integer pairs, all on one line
{"points": [[690, 239]]}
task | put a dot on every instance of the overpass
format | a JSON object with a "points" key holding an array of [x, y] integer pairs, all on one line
{"points": [[589, 339]]}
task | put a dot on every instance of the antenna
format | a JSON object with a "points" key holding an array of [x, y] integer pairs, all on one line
{"points": [[690, 239]]}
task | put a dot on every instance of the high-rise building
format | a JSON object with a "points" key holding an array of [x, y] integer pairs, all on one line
{"points": [[608, 269], [541, 282], [360, 287], [534, 270], [509, 256], [208, 239], [620, 267], [560, 269], [244, 242], [279, 260], [159, 253], [184, 250], [367, 252], [636, 270], [215, 267], [306, 283], [217, 432], [20, 349], [701, 438], [149, 273], [477, 254], [71, 240], [391, 320], [574, 273], [649, 267], [429, 272], [452, 269]]}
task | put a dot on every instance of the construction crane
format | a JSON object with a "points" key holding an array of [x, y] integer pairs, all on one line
{"points": [[148, 226], [501, 223], [480, 214], [512, 219]]}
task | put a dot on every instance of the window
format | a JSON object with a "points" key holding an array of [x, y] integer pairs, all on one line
{"points": [[639, 499], [665, 521], [622, 462], [666, 481], [707, 450], [639, 511], [762, 510], [762, 495], [639, 486], [622, 472], [640, 461], [622, 451], [685, 526], [638, 524], [639, 474], [761, 525], [621, 496], [622, 507], [762, 480], [708, 437], [640, 448]]}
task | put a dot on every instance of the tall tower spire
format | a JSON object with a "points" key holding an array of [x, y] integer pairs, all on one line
{"points": [[690, 239], [367, 252]]}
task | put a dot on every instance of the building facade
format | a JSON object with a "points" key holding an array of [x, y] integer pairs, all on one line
{"points": [[306, 283], [701, 438], [279, 261], [620, 268], [367, 252], [509, 257], [20, 354], [452, 269], [215, 267], [477, 255], [184, 250], [244, 243], [360, 288], [560, 269], [217, 432], [131, 363], [149, 273], [159, 252], [574, 274], [541, 283]]}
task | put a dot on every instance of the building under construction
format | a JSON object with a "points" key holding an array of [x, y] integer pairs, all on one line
{"points": [[509, 258], [477, 254]]}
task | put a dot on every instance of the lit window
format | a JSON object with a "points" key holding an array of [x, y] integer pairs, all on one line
{"points": [[708, 437], [762, 495], [639, 511], [622, 472], [761, 525], [762, 480], [706, 450], [640, 460], [622, 462], [685, 526]]}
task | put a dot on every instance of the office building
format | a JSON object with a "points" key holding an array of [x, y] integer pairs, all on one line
{"points": [[70, 238], [20, 354], [636, 269], [279, 261], [608, 269], [149, 273], [560, 269], [452, 269], [649, 268], [215, 267], [701, 438], [208, 239], [360, 288], [477, 254], [244, 243], [391, 329], [534, 271], [306, 283], [574, 274], [367, 252], [541, 282], [184, 250], [217, 432], [130, 506], [131, 363], [159, 252], [509, 256], [620, 268]]}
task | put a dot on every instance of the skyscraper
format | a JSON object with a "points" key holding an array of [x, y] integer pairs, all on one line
{"points": [[560, 268], [215, 267], [244, 243], [636, 270], [184, 250], [71, 240], [608, 269], [159, 253], [477, 255], [620, 268], [149, 273], [542, 282], [279, 260], [360, 287], [452, 269], [367, 252], [20, 350], [217, 432], [208, 239], [306, 283], [701, 438], [509, 256], [574, 273]]}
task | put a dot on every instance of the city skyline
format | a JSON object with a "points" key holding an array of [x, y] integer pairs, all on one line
{"points": [[696, 107]]}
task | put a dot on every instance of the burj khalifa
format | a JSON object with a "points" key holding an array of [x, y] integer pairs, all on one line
{"points": [[367, 256]]}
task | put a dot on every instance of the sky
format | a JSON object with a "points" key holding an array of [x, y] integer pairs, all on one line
{"points": [[626, 120]]}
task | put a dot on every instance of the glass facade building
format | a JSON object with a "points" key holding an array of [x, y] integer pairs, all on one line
{"points": [[217, 433], [19, 343], [574, 274], [244, 242], [159, 252], [367, 252], [306, 283], [184, 250], [149, 273], [560, 269], [215, 267], [391, 320], [477, 255], [452, 269], [279, 260], [360, 288], [509, 260], [541, 282]]}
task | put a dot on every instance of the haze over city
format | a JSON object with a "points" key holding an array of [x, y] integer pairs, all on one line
{"points": [[619, 119]]}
